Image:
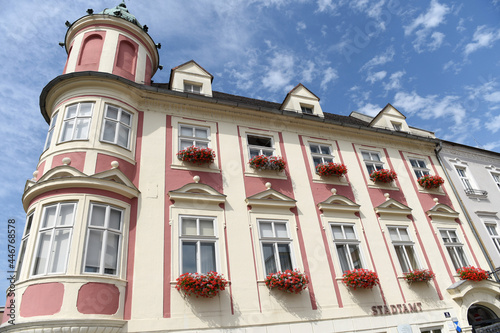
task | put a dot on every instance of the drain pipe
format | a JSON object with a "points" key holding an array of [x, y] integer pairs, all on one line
{"points": [[467, 216]]}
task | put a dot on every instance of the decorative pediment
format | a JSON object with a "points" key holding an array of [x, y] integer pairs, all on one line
{"points": [[62, 171], [442, 211], [391, 206], [338, 203], [114, 175], [197, 192], [270, 198]]}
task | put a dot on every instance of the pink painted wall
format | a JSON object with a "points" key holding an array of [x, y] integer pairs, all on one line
{"points": [[40, 168], [98, 298], [10, 314], [77, 160], [90, 52], [149, 71], [126, 58], [69, 54], [42, 299], [104, 163]]}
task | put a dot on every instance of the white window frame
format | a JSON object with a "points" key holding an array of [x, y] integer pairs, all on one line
{"points": [[405, 246], [198, 239], [193, 88], [496, 179], [50, 133], [52, 230], [275, 241], [118, 125], [372, 163], [262, 150], [397, 126], [419, 167], [347, 243], [193, 139], [464, 178], [107, 232], [491, 227], [431, 330], [75, 119], [321, 156], [24, 242], [455, 248], [307, 109]]}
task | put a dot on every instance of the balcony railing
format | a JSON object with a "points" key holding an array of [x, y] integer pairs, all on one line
{"points": [[474, 192]]}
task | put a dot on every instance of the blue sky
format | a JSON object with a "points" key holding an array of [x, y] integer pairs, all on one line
{"points": [[436, 61]]}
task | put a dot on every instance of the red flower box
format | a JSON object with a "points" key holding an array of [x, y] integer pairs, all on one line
{"points": [[472, 273], [263, 162], [429, 182], [331, 169], [196, 155], [201, 285], [360, 278], [419, 275], [289, 281], [383, 176]]}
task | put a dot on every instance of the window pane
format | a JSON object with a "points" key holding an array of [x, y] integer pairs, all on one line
{"points": [[337, 232], [49, 139], [112, 112], [207, 257], [109, 131], [314, 149], [260, 141], [349, 232], [189, 226], [404, 234], [284, 255], [115, 219], [453, 236], [94, 245], [111, 255], [42, 253], [67, 131], [370, 167], [269, 260], [50, 217], [60, 251], [366, 156], [280, 229], [188, 257], [414, 163], [123, 134], [85, 109], [325, 150], [82, 128], [411, 257], [71, 111], [185, 144], [201, 133], [186, 131], [202, 144], [461, 256], [266, 229], [28, 225], [344, 263], [355, 256], [454, 258], [20, 259], [317, 160], [267, 152], [375, 157], [206, 227], [394, 234], [98, 216], [402, 258], [126, 118], [444, 235], [66, 215]]}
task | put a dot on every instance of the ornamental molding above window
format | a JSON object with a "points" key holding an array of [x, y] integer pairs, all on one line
{"points": [[391, 206], [338, 203], [442, 211], [196, 192], [458, 161], [492, 168], [66, 176], [270, 199]]}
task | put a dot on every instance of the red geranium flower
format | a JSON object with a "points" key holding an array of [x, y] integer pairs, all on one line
{"points": [[196, 155], [331, 169], [383, 176], [289, 281], [201, 285]]}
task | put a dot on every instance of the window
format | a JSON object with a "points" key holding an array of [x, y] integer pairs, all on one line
{"points": [[260, 145], [372, 161], [77, 122], [198, 242], [419, 167], [48, 141], [463, 177], [192, 88], [492, 230], [276, 246], [103, 244], [116, 126], [396, 126], [347, 245], [54, 239], [496, 178], [193, 136], [321, 153], [306, 109], [24, 241], [454, 248], [433, 330], [404, 248]]}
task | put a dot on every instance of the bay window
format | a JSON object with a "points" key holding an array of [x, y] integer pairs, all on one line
{"points": [[76, 122], [48, 141], [24, 242], [117, 125]]}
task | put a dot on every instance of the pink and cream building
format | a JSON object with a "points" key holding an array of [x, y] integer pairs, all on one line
{"points": [[114, 217]]}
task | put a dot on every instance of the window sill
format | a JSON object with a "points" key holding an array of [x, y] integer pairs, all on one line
{"points": [[383, 186], [334, 180], [193, 167], [266, 174], [63, 278], [434, 191]]}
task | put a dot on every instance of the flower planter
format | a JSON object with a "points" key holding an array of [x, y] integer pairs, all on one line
{"points": [[288, 281], [201, 285], [419, 275], [331, 169], [196, 155], [472, 273], [263, 162], [360, 278], [429, 182], [383, 176]]}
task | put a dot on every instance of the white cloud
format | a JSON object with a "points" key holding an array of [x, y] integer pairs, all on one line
{"points": [[493, 124], [301, 26], [327, 5], [370, 109], [308, 72], [330, 75], [483, 37], [279, 72], [374, 77], [438, 38], [381, 59], [394, 82]]}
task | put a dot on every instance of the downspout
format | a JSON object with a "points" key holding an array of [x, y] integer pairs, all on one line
{"points": [[467, 216]]}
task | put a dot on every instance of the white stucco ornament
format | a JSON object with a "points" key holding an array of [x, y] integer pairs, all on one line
{"points": [[66, 161], [35, 174], [114, 164], [436, 200], [268, 185], [334, 191], [196, 179], [387, 196]]}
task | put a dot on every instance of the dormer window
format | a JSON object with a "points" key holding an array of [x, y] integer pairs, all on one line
{"points": [[396, 126], [192, 88], [306, 109]]}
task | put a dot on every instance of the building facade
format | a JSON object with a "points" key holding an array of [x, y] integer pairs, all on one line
{"points": [[115, 215]]}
